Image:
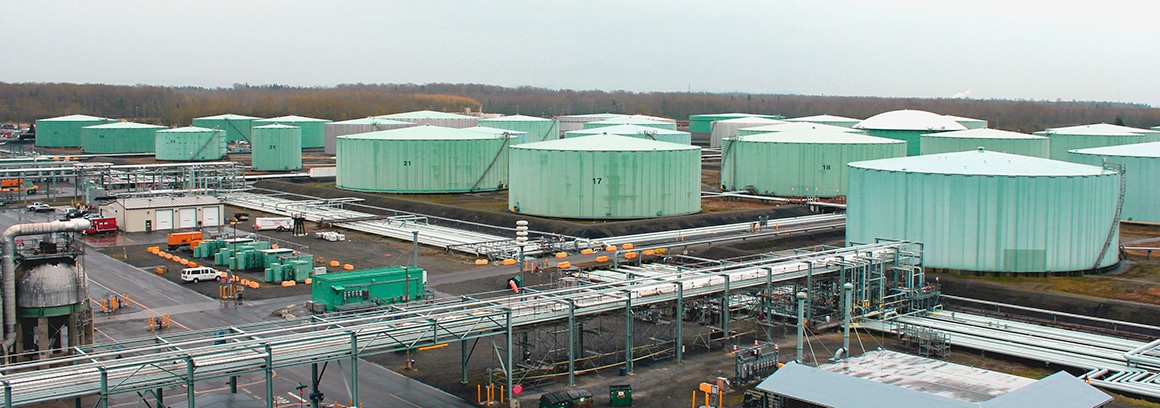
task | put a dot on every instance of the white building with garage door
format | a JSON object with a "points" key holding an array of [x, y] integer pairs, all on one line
{"points": [[145, 214]]}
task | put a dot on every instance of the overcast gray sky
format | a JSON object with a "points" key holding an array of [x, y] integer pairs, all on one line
{"points": [[1085, 50]]}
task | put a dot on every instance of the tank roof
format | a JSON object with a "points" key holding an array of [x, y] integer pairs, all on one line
{"points": [[1098, 129], [984, 133], [188, 129], [605, 142], [909, 120], [276, 126], [817, 136], [426, 114], [516, 118], [958, 118], [983, 163], [790, 126], [752, 119], [292, 118], [730, 114], [823, 118], [424, 132], [373, 120], [125, 125], [228, 116], [495, 131], [629, 120], [627, 129], [1150, 149], [596, 115], [73, 118]]}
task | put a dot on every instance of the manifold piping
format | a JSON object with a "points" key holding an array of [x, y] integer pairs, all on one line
{"points": [[8, 265]]}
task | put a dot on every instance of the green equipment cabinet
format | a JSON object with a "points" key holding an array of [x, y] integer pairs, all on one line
{"points": [[367, 288], [620, 395]]}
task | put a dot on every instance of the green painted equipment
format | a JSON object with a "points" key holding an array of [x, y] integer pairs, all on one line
{"points": [[276, 147], [119, 137], [65, 131], [237, 127], [191, 144], [993, 140], [367, 288], [1097, 135], [703, 123], [313, 130], [620, 395], [423, 159], [535, 129]]}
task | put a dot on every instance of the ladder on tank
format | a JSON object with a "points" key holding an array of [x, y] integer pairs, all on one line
{"points": [[1118, 168]]}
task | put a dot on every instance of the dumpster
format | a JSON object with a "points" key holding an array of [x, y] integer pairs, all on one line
{"points": [[580, 398], [553, 400], [620, 395]]}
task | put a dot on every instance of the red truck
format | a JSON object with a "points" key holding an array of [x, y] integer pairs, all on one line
{"points": [[102, 226]]}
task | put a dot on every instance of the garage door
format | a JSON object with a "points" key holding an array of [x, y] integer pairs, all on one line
{"points": [[187, 218], [163, 220], [210, 217]]}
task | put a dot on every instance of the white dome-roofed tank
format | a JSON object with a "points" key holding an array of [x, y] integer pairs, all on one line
{"points": [[908, 125]]}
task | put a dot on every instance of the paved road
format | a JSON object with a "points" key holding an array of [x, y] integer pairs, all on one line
{"points": [[152, 295]]}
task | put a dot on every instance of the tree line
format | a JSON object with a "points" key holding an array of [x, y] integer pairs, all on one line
{"points": [[26, 102]]}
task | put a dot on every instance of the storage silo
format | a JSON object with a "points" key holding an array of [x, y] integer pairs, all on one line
{"points": [[433, 118], [362, 125], [568, 123], [313, 130], [237, 127], [119, 137], [1141, 177], [990, 139], [1097, 135], [52, 312], [969, 123], [827, 120], [908, 125], [703, 123], [794, 126], [423, 159], [276, 147], [728, 127], [65, 131], [516, 135], [988, 211], [632, 121], [190, 144], [534, 129], [642, 132], [800, 163], [605, 177]]}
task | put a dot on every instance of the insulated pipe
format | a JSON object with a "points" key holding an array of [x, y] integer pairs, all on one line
{"points": [[849, 291], [8, 265], [801, 297]]}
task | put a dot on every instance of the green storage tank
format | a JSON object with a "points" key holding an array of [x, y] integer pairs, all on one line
{"points": [[237, 127], [313, 130], [988, 211], [605, 177], [641, 132], [1142, 177], [628, 120], [569, 123], [433, 118], [535, 129], [190, 144], [908, 125], [368, 287], [423, 159], [497, 132], [969, 123], [795, 126], [703, 123], [65, 131], [120, 137], [802, 163], [990, 139], [728, 128], [355, 126], [830, 120], [277, 147], [1081, 137]]}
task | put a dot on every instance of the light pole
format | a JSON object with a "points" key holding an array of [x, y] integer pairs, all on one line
{"points": [[521, 241]]}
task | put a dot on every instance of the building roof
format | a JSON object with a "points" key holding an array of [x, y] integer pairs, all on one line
{"points": [[756, 120], [1098, 129], [909, 120], [229, 116], [276, 126], [984, 133], [817, 136], [1150, 149], [165, 202], [426, 114], [823, 118], [983, 163], [373, 120], [627, 130], [605, 142], [789, 126], [496, 131], [424, 132], [515, 118], [820, 387], [928, 375], [189, 129], [291, 118], [73, 118], [1056, 390], [125, 125]]}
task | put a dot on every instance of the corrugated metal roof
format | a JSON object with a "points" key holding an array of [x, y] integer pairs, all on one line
{"points": [[984, 133], [823, 118], [125, 125], [928, 375], [791, 126], [824, 388], [605, 142], [163, 202], [189, 129], [425, 132], [72, 118], [1150, 149], [823, 136], [373, 120], [1099, 129], [276, 126], [228, 116], [627, 130], [515, 118], [426, 114], [495, 131], [1056, 390], [291, 118], [982, 163], [909, 120], [755, 120]]}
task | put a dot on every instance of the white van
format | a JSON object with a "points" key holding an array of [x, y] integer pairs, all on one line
{"points": [[273, 223], [198, 274]]}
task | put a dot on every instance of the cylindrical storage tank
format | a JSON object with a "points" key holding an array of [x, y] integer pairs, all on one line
{"points": [[569, 123], [534, 129], [703, 123], [52, 288], [908, 125], [423, 159], [120, 137], [1098, 135], [313, 130], [354, 126], [810, 163], [191, 144], [440, 119], [516, 135], [237, 127], [1141, 178], [632, 121], [969, 123], [795, 126], [988, 211], [990, 139], [642, 132], [605, 177], [65, 131], [276, 147], [728, 128], [830, 120]]}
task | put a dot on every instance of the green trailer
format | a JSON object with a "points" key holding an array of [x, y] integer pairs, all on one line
{"points": [[344, 291]]}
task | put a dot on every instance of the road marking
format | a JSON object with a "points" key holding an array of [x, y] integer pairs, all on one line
{"points": [[132, 302], [291, 393]]}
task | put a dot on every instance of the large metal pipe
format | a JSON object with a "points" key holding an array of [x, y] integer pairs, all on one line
{"points": [[801, 298], [8, 265]]}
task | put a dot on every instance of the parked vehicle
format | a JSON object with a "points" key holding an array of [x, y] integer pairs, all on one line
{"points": [[40, 207], [18, 185], [177, 240], [200, 273], [102, 226], [273, 223]]}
